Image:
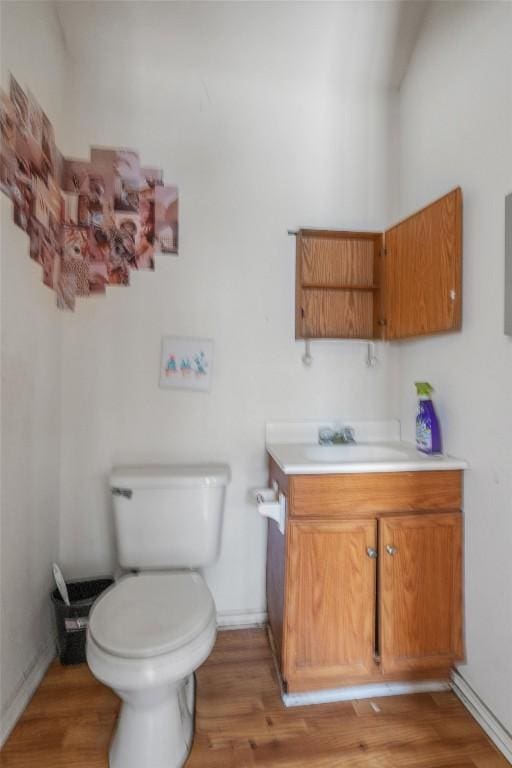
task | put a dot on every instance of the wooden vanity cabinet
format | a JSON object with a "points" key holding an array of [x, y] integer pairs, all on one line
{"points": [[391, 285], [365, 584]]}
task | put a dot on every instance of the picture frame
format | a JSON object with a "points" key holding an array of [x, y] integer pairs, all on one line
{"points": [[186, 363]]}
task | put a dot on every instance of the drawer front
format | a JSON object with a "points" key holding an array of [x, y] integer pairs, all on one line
{"points": [[352, 495]]}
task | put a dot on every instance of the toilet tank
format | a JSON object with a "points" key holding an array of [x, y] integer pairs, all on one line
{"points": [[168, 516]]}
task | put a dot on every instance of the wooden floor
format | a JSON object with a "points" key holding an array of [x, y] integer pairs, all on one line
{"points": [[241, 722]]}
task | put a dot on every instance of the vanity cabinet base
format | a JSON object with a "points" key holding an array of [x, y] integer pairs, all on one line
{"points": [[371, 593], [298, 685]]}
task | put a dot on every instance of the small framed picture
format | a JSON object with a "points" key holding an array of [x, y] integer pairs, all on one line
{"points": [[186, 363]]}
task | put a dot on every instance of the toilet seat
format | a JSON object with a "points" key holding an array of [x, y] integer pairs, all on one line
{"points": [[151, 614]]}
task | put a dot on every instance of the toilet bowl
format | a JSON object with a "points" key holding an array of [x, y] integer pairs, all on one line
{"points": [[147, 635]]}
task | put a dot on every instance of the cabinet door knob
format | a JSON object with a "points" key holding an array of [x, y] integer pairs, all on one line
{"points": [[390, 549], [371, 552]]}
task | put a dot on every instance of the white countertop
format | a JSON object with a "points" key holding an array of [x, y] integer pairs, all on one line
{"points": [[295, 449], [306, 459]]}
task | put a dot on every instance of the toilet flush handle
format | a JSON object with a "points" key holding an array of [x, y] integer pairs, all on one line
{"points": [[126, 492]]}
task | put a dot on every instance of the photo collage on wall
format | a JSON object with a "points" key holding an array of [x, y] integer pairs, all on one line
{"points": [[89, 222]]}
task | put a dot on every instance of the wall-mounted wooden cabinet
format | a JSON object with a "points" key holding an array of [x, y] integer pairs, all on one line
{"points": [[365, 585], [403, 282]]}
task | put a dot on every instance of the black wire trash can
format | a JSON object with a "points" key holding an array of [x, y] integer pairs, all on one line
{"points": [[72, 620]]}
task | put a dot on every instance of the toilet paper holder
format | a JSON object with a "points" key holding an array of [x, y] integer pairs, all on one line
{"points": [[272, 504]]}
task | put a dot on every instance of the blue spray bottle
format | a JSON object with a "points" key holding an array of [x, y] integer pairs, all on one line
{"points": [[428, 433]]}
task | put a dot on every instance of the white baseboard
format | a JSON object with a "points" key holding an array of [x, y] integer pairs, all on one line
{"points": [[234, 620], [498, 734], [370, 691], [33, 677]]}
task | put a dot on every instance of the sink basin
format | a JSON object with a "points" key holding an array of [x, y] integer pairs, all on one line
{"points": [[350, 452]]}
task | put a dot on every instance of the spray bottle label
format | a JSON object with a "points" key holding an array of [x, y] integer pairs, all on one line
{"points": [[423, 434]]}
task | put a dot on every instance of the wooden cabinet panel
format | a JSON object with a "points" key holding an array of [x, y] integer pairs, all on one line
{"points": [[335, 260], [420, 591], [330, 610], [422, 271], [359, 494], [330, 314], [276, 567], [276, 564]]}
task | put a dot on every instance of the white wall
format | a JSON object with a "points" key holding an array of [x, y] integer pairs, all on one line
{"points": [[259, 142], [32, 48], [456, 128]]}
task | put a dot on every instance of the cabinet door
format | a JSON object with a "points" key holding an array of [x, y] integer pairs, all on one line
{"points": [[420, 598], [330, 600], [421, 293]]}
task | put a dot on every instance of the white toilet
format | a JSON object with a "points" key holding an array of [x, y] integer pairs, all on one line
{"points": [[149, 632]]}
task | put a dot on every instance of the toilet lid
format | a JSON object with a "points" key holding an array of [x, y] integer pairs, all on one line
{"points": [[150, 614]]}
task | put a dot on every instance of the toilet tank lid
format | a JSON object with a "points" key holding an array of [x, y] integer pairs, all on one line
{"points": [[170, 476]]}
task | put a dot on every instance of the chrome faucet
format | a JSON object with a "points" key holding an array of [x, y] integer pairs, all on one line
{"points": [[336, 435]]}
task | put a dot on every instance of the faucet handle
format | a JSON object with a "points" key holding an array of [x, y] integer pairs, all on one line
{"points": [[349, 434], [325, 435]]}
